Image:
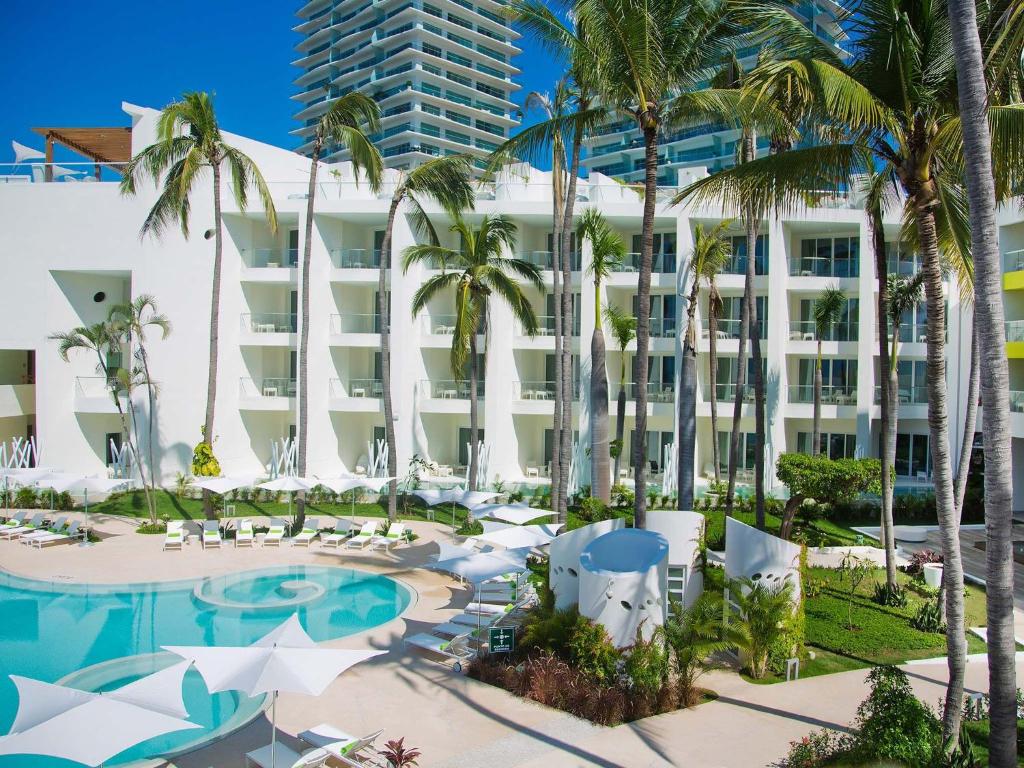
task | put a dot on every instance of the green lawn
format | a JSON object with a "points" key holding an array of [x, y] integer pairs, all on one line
{"points": [[978, 731]]}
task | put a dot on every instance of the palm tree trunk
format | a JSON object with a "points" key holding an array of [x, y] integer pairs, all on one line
{"points": [[713, 374], [687, 407], [211, 377], [988, 319], [970, 423], [383, 307], [887, 439], [474, 419], [307, 248], [754, 329], [938, 424], [137, 455], [151, 419], [741, 386], [600, 478], [816, 433], [560, 388], [643, 328], [620, 413]]}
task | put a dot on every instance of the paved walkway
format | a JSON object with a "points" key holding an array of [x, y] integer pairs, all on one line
{"points": [[458, 722]]}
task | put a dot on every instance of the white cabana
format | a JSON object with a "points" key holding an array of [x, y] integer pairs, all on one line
{"points": [[517, 514], [481, 566], [91, 728], [286, 659], [518, 536], [469, 499]]}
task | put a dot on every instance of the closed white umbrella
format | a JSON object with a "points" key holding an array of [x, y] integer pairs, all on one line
{"points": [[91, 728], [468, 499], [286, 660], [517, 514], [291, 484], [348, 482]]}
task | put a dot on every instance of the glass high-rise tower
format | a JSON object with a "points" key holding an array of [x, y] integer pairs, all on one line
{"points": [[441, 71]]}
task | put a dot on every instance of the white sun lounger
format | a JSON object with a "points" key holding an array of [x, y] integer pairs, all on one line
{"points": [[276, 532], [454, 629], [175, 534], [364, 537], [499, 609], [244, 536], [34, 525], [342, 529], [281, 756], [337, 742], [455, 649], [309, 531], [395, 534], [472, 619], [57, 538], [211, 534], [16, 521], [57, 527]]}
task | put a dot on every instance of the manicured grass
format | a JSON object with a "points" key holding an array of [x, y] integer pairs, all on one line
{"points": [[978, 731]]}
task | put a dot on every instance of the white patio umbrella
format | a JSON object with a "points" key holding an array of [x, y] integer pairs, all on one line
{"points": [[348, 482], [20, 476], [517, 536], [517, 514], [72, 483], [291, 484], [286, 660], [224, 484], [91, 728], [468, 499]]}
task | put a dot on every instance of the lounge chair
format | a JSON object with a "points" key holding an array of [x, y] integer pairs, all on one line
{"points": [[309, 531], [211, 534], [474, 619], [276, 532], [57, 527], [364, 537], [454, 629], [281, 755], [342, 529], [15, 521], [395, 534], [455, 649], [19, 530], [499, 609], [57, 538], [336, 741], [175, 534], [244, 536]]}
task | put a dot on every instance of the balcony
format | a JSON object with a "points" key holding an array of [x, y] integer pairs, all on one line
{"points": [[657, 392], [821, 266], [1015, 339], [729, 329], [355, 258], [909, 395], [830, 395], [1013, 270], [534, 390], [269, 329], [439, 325], [662, 327], [805, 330], [362, 395], [737, 265], [449, 389], [1016, 401], [661, 263], [17, 400], [95, 394], [266, 394], [545, 260], [727, 393], [270, 258]]}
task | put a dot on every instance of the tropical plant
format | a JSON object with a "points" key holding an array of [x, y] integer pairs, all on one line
{"points": [[850, 575], [188, 143], [692, 635], [711, 252], [479, 269], [623, 328], [827, 310], [398, 755], [826, 480], [607, 252], [346, 123], [445, 180], [204, 462], [764, 611]]}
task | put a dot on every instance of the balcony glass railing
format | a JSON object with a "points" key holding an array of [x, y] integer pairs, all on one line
{"points": [[737, 265], [729, 328], [1015, 330], [830, 395], [546, 326], [1013, 261], [661, 263], [907, 395], [95, 386], [820, 266], [355, 323], [449, 389], [804, 330], [657, 392], [269, 322], [355, 258], [662, 327], [545, 260], [727, 392], [270, 258], [368, 388], [1016, 401], [534, 390], [267, 387]]}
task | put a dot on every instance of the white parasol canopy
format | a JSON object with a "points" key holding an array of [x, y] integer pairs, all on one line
{"points": [[286, 659], [91, 728], [290, 483], [481, 566], [23, 153], [518, 536], [348, 482], [469, 499], [224, 484], [517, 514]]}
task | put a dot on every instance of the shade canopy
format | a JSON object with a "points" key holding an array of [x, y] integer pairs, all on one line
{"points": [[91, 728], [104, 145], [480, 567], [286, 659], [224, 484], [290, 483], [23, 153], [25, 475], [517, 514], [517, 536], [348, 482], [72, 483], [432, 496]]}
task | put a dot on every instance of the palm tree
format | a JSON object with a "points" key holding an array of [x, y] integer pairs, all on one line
{"points": [[623, 327], [342, 124], [764, 607], [131, 321], [711, 252], [445, 180], [680, 41], [904, 294], [827, 310], [480, 268], [607, 252], [188, 142]]}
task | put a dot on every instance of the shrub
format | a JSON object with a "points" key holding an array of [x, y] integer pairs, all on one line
{"points": [[152, 528], [25, 498], [591, 650], [63, 501], [825, 480], [919, 559], [928, 618], [893, 596], [550, 632], [622, 497], [204, 463], [398, 755], [646, 667], [592, 510], [766, 610], [892, 724], [817, 749]]}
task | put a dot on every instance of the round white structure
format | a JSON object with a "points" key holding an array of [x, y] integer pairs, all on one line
{"points": [[622, 583]]}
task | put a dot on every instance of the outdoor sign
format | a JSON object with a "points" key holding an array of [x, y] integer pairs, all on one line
{"points": [[501, 639]]}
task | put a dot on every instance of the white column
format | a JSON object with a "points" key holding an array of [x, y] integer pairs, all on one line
{"points": [[776, 380], [867, 343], [500, 377]]}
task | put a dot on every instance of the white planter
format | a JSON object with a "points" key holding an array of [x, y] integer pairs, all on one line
{"points": [[933, 575]]}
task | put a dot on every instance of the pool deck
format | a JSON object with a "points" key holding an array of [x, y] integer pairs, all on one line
{"points": [[458, 722]]}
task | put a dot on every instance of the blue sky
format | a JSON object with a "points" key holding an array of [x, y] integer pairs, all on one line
{"points": [[72, 64]]}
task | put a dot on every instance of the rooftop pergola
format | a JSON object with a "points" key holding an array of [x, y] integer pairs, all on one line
{"points": [[104, 146]]}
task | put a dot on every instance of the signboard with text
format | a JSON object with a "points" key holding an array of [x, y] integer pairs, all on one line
{"points": [[501, 639]]}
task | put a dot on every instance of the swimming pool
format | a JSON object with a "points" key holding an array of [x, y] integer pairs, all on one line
{"points": [[99, 637]]}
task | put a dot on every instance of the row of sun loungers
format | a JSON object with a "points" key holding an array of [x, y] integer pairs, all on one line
{"points": [[37, 532], [342, 537], [328, 744]]}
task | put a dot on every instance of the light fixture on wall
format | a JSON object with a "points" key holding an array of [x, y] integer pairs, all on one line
{"points": [[99, 297], [208, 234]]}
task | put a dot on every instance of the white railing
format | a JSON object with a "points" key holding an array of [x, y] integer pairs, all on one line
{"points": [[34, 172], [1015, 330], [1013, 261]]}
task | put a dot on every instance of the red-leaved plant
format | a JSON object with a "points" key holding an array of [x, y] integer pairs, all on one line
{"points": [[398, 756]]}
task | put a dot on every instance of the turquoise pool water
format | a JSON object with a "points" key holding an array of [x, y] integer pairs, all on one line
{"points": [[99, 636]]}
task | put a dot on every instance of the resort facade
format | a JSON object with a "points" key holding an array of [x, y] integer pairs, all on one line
{"points": [[87, 256]]}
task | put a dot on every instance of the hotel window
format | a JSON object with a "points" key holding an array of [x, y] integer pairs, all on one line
{"points": [[738, 263], [844, 330], [835, 445], [656, 442], [747, 450], [912, 456], [664, 256], [828, 257]]}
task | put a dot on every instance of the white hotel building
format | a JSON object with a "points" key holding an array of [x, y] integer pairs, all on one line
{"points": [[71, 250]]}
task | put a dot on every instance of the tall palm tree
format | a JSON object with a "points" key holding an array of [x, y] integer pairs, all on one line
{"points": [[607, 253], [445, 180], [711, 252], [827, 310], [479, 269], [188, 143], [623, 328], [131, 321], [989, 345], [904, 294], [892, 108], [346, 123]]}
